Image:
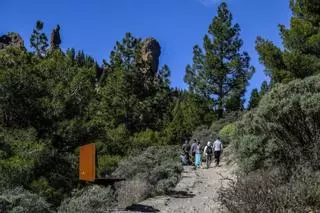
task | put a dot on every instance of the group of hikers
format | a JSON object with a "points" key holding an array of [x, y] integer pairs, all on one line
{"points": [[193, 153]]}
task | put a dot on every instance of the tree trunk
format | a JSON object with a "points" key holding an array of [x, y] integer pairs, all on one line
{"points": [[220, 103]]}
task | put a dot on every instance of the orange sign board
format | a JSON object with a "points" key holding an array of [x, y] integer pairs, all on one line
{"points": [[87, 170]]}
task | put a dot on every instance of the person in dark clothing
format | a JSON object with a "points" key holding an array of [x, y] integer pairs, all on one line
{"points": [[186, 150], [218, 148], [208, 151]]}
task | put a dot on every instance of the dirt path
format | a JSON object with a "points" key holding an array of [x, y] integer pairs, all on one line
{"points": [[196, 192]]}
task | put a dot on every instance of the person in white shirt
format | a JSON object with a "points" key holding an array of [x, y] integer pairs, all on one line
{"points": [[218, 148]]}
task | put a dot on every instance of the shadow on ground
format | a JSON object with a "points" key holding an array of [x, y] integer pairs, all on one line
{"points": [[181, 194], [141, 208]]}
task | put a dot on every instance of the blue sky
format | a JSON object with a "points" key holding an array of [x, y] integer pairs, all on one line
{"points": [[94, 26]]}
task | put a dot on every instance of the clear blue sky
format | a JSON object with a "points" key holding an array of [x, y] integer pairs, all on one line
{"points": [[94, 26]]}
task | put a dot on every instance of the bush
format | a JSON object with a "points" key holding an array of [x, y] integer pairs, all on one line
{"points": [[20, 200], [107, 164], [229, 118], [90, 199], [282, 133], [22, 154], [203, 134], [286, 124], [132, 191], [157, 170], [42, 187], [145, 139], [271, 191], [250, 152], [228, 133]]}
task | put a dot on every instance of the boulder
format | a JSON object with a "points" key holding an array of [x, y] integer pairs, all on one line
{"points": [[11, 39]]}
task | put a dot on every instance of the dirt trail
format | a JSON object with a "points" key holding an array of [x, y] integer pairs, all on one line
{"points": [[196, 192]]}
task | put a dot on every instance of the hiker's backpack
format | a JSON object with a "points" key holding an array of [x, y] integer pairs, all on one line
{"points": [[209, 150], [186, 148]]}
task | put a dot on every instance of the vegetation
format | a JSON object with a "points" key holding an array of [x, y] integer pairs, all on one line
{"points": [[155, 171], [21, 200], [89, 199], [220, 72], [300, 56], [277, 142], [52, 101]]}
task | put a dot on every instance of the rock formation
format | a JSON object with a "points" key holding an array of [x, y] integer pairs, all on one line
{"points": [[150, 53], [55, 40], [11, 39]]}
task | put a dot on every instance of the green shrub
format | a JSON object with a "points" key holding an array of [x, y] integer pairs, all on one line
{"points": [[107, 164], [42, 187], [118, 141], [90, 199], [228, 133], [20, 200], [287, 125], [271, 191], [278, 147], [145, 139], [156, 170], [229, 118], [203, 134], [23, 153], [250, 152]]}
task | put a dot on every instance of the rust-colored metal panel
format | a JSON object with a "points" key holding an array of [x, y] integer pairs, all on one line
{"points": [[87, 170]]}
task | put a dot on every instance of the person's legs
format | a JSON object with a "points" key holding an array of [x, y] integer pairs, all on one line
{"points": [[194, 158], [217, 157], [187, 157], [208, 160], [197, 160]]}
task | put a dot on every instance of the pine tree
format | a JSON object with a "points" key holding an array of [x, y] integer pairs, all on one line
{"points": [[71, 54], [301, 54], [141, 99], [221, 71], [39, 40], [254, 99], [80, 58], [164, 74], [264, 88]]}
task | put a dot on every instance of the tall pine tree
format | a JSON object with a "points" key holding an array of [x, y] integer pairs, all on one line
{"points": [[301, 54], [39, 40], [264, 88], [220, 71], [254, 99]]}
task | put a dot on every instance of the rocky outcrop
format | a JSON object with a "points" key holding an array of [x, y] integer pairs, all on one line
{"points": [[151, 51], [55, 40], [11, 39]]}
